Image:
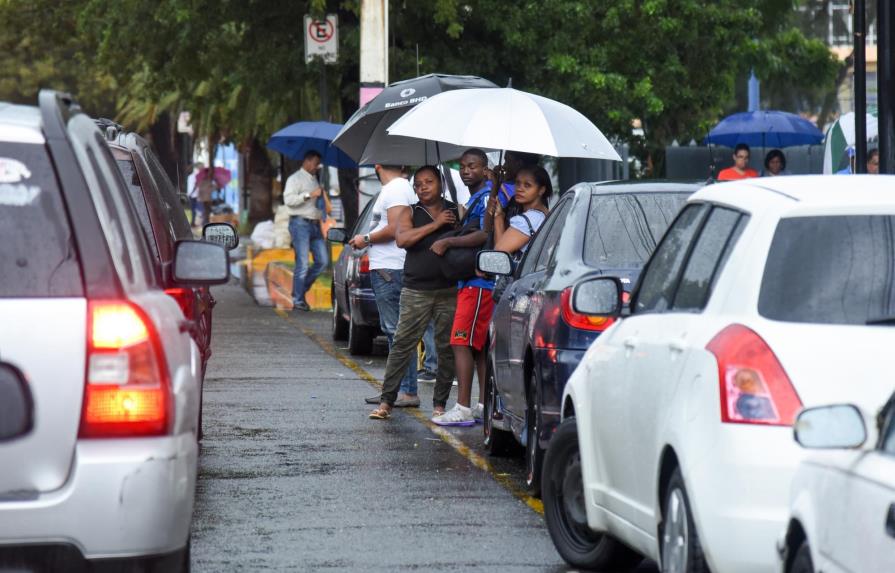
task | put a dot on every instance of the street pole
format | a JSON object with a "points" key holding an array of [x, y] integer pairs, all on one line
{"points": [[884, 78], [373, 48], [860, 26]]}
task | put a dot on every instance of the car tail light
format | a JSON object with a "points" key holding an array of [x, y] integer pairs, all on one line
{"points": [[582, 321], [127, 388], [186, 299], [754, 387], [365, 263]]}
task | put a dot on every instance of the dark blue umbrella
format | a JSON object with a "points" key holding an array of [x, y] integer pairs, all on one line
{"points": [[295, 140], [765, 129]]}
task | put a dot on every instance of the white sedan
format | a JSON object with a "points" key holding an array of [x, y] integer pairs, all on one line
{"points": [[843, 498], [764, 296]]}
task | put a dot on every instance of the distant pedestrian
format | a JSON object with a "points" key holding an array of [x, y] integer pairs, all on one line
{"points": [[774, 164], [387, 265], [427, 293], [740, 168], [301, 196], [193, 191], [873, 162], [205, 189]]}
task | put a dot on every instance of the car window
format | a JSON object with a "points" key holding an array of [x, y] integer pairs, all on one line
{"points": [[888, 441], [830, 270], [38, 257], [129, 172], [552, 238], [623, 229], [659, 282], [176, 214], [364, 222], [536, 244], [719, 234]]}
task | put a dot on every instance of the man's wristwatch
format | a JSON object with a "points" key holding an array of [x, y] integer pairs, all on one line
{"points": [[367, 239]]}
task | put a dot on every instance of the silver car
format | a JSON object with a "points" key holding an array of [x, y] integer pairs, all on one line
{"points": [[99, 454]]}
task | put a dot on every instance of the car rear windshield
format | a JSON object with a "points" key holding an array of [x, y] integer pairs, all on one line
{"points": [[623, 229], [830, 270], [37, 252]]}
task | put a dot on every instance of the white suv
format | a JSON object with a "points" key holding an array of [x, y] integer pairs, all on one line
{"points": [[764, 296], [103, 466]]}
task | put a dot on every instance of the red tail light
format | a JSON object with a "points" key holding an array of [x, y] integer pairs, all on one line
{"points": [[365, 263], [754, 387], [127, 390], [186, 299], [582, 321]]}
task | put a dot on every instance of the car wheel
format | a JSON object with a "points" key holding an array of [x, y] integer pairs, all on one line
{"points": [[360, 339], [802, 562], [681, 550], [497, 442], [565, 513], [534, 455], [340, 325]]}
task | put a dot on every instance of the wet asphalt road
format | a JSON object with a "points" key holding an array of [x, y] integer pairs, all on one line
{"points": [[293, 476]]}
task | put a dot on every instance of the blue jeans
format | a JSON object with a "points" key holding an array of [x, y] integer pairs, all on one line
{"points": [[306, 236], [388, 301], [431, 360]]}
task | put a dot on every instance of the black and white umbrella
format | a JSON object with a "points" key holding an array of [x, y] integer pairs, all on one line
{"points": [[365, 139]]}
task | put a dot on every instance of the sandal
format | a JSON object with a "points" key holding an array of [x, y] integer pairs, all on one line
{"points": [[380, 414]]}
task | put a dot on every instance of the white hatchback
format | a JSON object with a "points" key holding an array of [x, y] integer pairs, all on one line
{"points": [[764, 296]]}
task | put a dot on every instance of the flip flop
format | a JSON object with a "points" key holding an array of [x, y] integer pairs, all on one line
{"points": [[380, 414]]}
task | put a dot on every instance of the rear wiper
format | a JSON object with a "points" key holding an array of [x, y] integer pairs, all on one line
{"points": [[881, 320]]}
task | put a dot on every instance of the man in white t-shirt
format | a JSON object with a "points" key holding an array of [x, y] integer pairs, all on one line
{"points": [[387, 264]]}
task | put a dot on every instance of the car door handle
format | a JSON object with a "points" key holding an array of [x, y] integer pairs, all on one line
{"points": [[529, 292], [890, 521], [630, 343], [676, 346]]}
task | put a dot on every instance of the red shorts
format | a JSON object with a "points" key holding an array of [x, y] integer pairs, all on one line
{"points": [[474, 309]]}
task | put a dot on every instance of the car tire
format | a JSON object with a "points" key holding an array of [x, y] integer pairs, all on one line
{"points": [[678, 539], [340, 325], [565, 512], [360, 339], [497, 442], [802, 563], [534, 455]]}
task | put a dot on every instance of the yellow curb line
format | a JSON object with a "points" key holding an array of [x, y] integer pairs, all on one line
{"points": [[446, 436]]}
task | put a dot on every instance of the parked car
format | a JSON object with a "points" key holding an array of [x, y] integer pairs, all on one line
{"points": [[535, 338], [355, 314], [103, 467], [843, 495], [676, 441]]}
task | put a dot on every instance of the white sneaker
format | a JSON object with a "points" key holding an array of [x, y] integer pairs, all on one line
{"points": [[456, 416], [478, 412]]}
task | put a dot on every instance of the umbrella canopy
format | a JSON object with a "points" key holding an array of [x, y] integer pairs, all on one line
{"points": [[841, 136], [221, 176], [364, 136], [295, 140], [765, 128], [507, 119]]}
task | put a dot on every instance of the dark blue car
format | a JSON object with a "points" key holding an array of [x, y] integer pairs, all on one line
{"points": [[535, 338]]}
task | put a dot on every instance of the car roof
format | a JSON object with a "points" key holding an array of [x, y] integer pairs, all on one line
{"points": [[642, 186], [804, 193], [20, 123]]}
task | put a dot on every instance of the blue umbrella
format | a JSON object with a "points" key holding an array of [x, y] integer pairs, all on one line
{"points": [[295, 140], [765, 129]]}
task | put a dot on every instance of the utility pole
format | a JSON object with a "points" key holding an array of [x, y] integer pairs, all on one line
{"points": [[860, 27], [373, 48], [884, 77]]}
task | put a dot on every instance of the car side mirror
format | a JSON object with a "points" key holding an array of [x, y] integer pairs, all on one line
{"points": [[598, 296], [840, 426], [337, 235], [16, 404], [201, 263], [221, 233], [494, 263]]}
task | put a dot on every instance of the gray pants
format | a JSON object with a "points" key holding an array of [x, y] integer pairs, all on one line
{"points": [[418, 307]]}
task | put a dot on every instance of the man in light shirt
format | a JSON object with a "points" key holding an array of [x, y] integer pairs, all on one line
{"points": [[301, 197], [387, 265]]}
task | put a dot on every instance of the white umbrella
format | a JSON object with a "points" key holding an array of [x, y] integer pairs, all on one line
{"points": [[507, 119], [841, 136]]}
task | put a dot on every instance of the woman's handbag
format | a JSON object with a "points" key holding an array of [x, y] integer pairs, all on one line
{"points": [[458, 263]]}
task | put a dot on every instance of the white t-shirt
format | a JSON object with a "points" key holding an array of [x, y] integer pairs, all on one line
{"points": [[387, 255]]}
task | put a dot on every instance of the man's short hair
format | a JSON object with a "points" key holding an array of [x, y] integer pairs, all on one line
{"points": [[399, 168], [476, 152], [742, 147], [311, 154], [872, 152]]}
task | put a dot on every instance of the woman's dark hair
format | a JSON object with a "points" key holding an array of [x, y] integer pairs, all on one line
{"points": [[772, 154], [539, 174]]}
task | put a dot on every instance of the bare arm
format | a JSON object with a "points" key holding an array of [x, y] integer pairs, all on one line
{"points": [[475, 239], [387, 233], [408, 235], [510, 240]]}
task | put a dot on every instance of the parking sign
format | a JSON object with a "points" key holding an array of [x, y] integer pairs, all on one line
{"points": [[322, 38]]}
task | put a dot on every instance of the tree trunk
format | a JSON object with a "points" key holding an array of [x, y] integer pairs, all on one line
{"points": [[168, 146], [259, 181], [348, 193]]}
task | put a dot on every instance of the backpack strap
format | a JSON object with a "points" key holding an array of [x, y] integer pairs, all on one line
{"points": [[531, 229]]}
